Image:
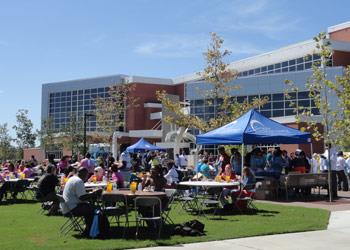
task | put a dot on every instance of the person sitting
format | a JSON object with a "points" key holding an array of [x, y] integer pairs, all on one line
{"points": [[6, 186], [27, 171], [72, 194], [63, 164], [228, 173], [98, 175], [205, 169], [172, 176], [117, 176], [155, 181], [68, 172], [248, 182], [47, 189]]}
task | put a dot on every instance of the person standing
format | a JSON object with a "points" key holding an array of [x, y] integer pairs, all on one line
{"points": [[222, 161], [340, 168], [333, 162], [182, 160]]}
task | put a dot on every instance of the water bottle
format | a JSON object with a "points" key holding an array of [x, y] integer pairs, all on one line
{"points": [[139, 187], [115, 186]]}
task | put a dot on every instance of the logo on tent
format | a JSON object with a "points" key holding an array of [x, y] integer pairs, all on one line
{"points": [[256, 125]]}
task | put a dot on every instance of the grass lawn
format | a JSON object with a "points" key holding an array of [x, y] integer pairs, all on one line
{"points": [[23, 227]]}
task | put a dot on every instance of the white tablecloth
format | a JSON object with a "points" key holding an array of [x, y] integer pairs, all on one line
{"points": [[95, 185], [209, 183]]}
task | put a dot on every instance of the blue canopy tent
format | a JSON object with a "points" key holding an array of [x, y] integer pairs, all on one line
{"points": [[253, 128], [142, 145]]}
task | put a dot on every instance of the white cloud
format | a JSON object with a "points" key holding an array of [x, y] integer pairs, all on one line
{"points": [[268, 18], [185, 46]]}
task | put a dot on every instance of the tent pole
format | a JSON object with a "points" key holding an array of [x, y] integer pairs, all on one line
{"points": [[242, 160]]}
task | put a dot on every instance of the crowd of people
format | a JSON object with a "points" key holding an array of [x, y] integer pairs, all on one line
{"points": [[155, 171]]}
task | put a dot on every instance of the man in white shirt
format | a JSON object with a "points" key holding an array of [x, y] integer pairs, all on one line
{"points": [[182, 160], [333, 161], [72, 193], [172, 176], [126, 160], [340, 168]]}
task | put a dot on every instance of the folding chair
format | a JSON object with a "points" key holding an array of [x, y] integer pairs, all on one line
{"points": [[187, 200], [73, 222], [20, 187], [242, 198], [170, 193], [212, 198], [148, 209], [116, 205]]}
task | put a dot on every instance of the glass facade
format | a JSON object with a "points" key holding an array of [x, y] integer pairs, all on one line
{"points": [[297, 64], [67, 105], [278, 105]]}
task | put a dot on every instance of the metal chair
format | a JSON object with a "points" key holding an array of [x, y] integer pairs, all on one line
{"points": [[212, 198], [116, 205], [20, 187], [170, 193], [248, 199], [149, 210], [73, 222], [187, 201]]}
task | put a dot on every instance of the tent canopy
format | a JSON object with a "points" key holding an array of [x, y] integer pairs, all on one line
{"points": [[142, 145], [253, 128]]}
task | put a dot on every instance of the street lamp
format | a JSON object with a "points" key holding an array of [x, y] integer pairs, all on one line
{"points": [[86, 115]]}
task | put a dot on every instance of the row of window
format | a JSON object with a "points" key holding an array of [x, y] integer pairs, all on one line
{"points": [[78, 92], [278, 97], [298, 64]]}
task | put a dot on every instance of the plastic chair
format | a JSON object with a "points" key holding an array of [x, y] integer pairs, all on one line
{"points": [[148, 209]]}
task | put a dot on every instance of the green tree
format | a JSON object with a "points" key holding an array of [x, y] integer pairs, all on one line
{"points": [[111, 111], [25, 137], [7, 151], [335, 119], [220, 94], [46, 134], [71, 134]]}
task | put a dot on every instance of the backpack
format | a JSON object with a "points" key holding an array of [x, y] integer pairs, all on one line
{"points": [[100, 226], [190, 228]]}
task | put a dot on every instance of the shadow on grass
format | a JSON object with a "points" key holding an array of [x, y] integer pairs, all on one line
{"points": [[145, 233], [17, 201]]}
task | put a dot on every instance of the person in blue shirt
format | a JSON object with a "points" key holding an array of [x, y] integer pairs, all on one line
{"points": [[205, 169]]}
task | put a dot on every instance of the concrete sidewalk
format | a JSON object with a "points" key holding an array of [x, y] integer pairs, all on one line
{"points": [[336, 237]]}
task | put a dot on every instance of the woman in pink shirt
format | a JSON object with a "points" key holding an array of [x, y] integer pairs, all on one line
{"points": [[27, 171], [117, 176]]}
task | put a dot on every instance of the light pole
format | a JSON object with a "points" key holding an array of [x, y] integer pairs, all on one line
{"points": [[86, 115]]}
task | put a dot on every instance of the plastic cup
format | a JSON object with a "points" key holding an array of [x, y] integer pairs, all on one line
{"points": [[109, 187], [133, 187]]}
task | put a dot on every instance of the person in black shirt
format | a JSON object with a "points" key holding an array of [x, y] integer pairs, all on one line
{"points": [[47, 189]]}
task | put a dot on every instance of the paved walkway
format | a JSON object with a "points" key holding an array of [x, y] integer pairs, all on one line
{"points": [[336, 237]]}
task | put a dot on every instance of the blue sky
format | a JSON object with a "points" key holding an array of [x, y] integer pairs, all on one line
{"points": [[45, 41]]}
